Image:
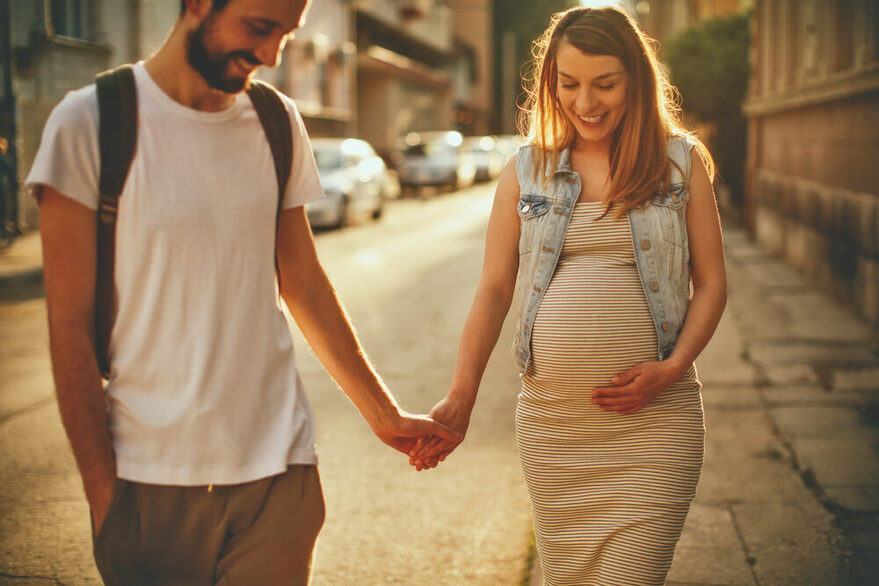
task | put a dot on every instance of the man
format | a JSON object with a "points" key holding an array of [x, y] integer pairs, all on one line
{"points": [[198, 457]]}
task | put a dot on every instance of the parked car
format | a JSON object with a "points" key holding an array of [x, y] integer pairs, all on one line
{"points": [[488, 160], [354, 179], [435, 159]]}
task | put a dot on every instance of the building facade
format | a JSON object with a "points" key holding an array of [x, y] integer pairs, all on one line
{"points": [[663, 19], [60, 45], [404, 52], [475, 107], [372, 69], [318, 69], [812, 172]]}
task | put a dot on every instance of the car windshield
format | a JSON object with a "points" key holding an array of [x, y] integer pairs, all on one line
{"points": [[328, 159]]}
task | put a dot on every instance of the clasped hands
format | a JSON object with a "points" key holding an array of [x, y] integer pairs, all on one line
{"points": [[628, 393]]}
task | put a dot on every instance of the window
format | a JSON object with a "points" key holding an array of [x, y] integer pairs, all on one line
{"points": [[843, 49], [69, 18]]}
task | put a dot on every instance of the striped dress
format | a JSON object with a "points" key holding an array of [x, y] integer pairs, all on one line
{"points": [[609, 492]]}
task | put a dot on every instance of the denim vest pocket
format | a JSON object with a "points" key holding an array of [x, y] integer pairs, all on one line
{"points": [[671, 212], [530, 209]]}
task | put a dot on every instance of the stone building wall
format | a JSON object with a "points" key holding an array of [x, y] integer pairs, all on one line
{"points": [[813, 155]]}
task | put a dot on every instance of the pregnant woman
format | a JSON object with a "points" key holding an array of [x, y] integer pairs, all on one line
{"points": [[606, 228]]}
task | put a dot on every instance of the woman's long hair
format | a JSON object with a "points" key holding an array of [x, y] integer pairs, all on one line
{"points": [[639, 164]]}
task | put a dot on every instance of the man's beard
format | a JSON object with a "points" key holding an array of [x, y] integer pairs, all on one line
{"points": [[212, 65]]}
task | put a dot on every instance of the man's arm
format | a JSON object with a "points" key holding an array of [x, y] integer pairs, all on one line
{"points": [[318, 312], [69, 252]]}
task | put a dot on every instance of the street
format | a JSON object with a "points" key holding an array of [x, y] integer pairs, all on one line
{"points": [[407, 282]]}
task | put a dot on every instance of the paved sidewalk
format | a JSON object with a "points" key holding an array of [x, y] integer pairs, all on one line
{"points": [[789, 494]]}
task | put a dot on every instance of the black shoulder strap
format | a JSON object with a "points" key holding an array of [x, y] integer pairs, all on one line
{"points": [[275, 122], [117, 136]]}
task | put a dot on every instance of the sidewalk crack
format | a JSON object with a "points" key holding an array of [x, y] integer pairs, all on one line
{"points": [[32, 407], [26, 577], [750, 559]]}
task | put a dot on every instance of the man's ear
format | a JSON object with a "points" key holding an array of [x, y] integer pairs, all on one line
{"points": [[198, 8]]}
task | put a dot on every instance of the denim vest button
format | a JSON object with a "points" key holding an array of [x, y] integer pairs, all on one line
{"points": [[572, 179], [665, 326], [645, 244], [676, 198], [654, 286], [525, 208]]}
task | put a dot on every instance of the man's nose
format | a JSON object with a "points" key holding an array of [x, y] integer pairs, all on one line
{"points": [[269, 53]]}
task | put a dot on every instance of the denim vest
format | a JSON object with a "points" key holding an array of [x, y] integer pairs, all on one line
{"points": [[659, 237]]}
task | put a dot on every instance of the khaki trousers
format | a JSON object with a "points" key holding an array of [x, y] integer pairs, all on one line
{"points": [[261, 532]]}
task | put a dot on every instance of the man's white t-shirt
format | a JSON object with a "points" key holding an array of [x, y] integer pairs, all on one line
{"points": [[203, 388]]}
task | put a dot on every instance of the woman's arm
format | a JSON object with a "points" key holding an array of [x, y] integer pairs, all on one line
{"points": [[483, 326], [637, 387]]}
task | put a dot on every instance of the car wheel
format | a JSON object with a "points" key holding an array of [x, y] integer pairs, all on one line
{"points": [[342, 212], [454, 183]]}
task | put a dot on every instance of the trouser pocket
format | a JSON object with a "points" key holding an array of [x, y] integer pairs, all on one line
{"points": [[114, 542]]}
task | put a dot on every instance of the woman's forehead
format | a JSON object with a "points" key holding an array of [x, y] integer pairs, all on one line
{"points": [[571, 61]]}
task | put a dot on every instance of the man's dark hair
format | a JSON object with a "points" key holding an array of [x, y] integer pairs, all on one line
{"points": [[217, 6]]}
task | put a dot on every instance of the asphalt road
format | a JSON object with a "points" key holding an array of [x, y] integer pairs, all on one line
{"points": [[407, 282]]}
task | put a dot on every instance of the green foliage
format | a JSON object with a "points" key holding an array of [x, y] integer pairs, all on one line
{"points": [[526, 19], [709, 65]]}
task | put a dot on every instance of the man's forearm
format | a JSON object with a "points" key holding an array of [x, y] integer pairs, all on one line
{"points": [[82, 404], [323, 321]]}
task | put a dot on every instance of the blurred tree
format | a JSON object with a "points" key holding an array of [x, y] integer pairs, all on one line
{"points": [[709, 66], [522, 21]]}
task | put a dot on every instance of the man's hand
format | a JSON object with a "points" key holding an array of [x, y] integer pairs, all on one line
{"points": [[637, 387], [99, 498], [430, 451], [405, 430]]}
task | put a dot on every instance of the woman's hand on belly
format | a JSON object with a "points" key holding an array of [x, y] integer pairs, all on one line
{"points": [[637, 387]]}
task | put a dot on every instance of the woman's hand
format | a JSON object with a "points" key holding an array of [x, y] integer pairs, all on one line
{"points": [[454, 414], [637, 387], [404, 432]]}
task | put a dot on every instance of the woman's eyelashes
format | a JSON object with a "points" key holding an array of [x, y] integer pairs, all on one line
{"points": [[570, 86]]}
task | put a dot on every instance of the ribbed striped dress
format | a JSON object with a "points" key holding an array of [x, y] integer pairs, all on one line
{"points": [[609, 492]]}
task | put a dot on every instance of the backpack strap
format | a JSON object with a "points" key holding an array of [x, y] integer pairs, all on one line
{"points": [[117, 136], [275, 122]]}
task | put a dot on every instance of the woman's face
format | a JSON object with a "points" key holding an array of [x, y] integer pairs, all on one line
{"points": [[592, 91]]}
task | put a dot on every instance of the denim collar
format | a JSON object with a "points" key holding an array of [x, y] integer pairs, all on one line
{"points": [[564, 164]]}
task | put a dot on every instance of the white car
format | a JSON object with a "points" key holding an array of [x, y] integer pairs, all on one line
{"points": [[486, 156], [435, 159], [354, 179]]}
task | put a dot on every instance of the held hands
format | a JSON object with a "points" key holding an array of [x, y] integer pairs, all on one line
{"points": [[431, 450], [404, 430], [637, 387]]}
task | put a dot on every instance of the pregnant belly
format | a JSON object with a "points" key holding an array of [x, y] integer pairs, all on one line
{"points": [[592, 324]]}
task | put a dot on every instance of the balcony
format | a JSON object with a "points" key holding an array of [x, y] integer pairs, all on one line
{"points": [[428, 22]]}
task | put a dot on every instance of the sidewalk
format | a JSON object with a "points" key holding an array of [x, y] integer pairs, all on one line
{"points": [[789, 494]]}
